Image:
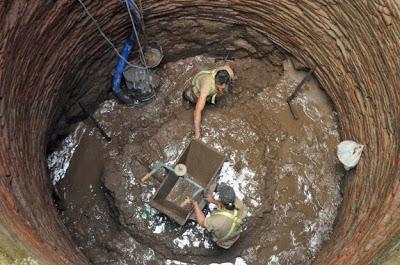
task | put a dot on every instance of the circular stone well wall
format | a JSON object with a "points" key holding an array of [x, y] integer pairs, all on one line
{"points": [[49, 48]]}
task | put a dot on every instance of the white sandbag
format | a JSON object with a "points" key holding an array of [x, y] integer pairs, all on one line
{"points": [[349, 153]]}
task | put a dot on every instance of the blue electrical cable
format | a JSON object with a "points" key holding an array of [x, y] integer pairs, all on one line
{"points": [[129, 45]]}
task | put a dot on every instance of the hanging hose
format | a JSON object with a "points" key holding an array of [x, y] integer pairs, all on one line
{"points": [[135, 11], [119, 69], [126, 50], [104, 35], [129, 6], [135, 16]]}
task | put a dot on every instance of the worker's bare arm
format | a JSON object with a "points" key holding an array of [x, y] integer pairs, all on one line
{"points": [[200, 217], [201, 102]]}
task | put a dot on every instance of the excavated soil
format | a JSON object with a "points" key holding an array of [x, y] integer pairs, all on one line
{"points": [[285, 170]]}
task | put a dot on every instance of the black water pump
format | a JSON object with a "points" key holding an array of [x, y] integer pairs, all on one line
{"points": [[140, 84]]}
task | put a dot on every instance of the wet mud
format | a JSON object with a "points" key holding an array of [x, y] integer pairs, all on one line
{"points": [[284, 170]]}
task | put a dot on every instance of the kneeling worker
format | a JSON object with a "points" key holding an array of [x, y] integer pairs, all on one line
{"points": [[204, 87], [225, 222]]}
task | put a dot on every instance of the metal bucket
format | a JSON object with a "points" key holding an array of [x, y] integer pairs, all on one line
{"points": [[153, 54]]}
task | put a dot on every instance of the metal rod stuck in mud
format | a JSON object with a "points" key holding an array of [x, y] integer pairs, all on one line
{"points": [[296, 90], [96, 123]]}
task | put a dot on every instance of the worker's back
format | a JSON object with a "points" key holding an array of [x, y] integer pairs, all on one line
{"points": [[225, 225], [204, 84]]}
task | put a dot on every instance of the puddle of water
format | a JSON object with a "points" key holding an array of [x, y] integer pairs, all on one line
{"points": [[58, 161]]}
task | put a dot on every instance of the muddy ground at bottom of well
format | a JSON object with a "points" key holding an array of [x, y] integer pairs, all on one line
{"points": [[284, 170]]}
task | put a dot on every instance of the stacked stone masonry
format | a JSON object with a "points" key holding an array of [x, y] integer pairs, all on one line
{"points": [[49, 48]]}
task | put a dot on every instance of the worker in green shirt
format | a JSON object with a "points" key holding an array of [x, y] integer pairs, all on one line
{"points": [[226, 221], [206, 86]]}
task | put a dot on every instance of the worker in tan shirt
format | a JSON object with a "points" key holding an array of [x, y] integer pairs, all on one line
{"points": [[226, 221], [206, 86]]}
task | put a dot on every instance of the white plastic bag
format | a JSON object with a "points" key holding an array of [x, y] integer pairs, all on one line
{"points": [[349, 153]]}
